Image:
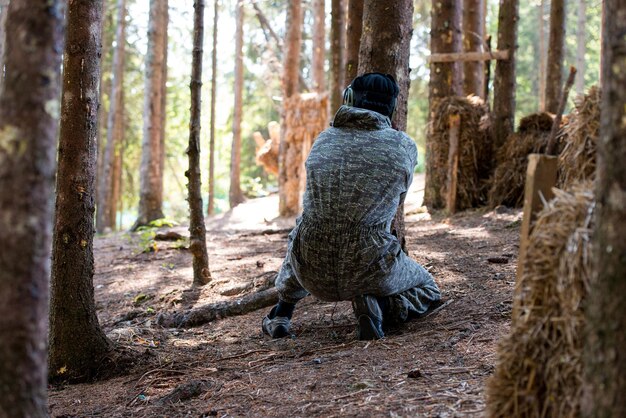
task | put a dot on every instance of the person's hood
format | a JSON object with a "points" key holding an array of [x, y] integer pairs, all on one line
{"points": [[356, 117]]}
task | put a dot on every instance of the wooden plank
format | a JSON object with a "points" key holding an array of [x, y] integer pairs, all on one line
{"points": [[454, 124], [540, 179], [469, 56]]}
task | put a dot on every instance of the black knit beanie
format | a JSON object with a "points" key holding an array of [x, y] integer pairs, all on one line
{"points": [[375, 91]]}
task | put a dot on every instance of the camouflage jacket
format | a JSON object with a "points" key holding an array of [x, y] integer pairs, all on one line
{"points": [[358, 172]]}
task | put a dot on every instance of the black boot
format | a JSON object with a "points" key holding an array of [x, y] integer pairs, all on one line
{"points": [[369, 318]]}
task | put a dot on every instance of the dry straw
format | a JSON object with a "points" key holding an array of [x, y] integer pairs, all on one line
{"points": [[507, 186], [539, 366], [578, 159], [475, 151]]}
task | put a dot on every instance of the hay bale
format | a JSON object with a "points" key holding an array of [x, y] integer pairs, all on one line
{"points": [[507, 184], [475, 151], [539, 369], [578, 159]]}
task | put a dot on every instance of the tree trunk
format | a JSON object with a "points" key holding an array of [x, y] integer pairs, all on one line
{"points": [[319, 46], [152, 153], [291, 70], [353, 38], [104, 87], [337, 44], [115, 128], [473, 38], [197, 229], [235, 196], [385, 47], [543, 56], [76, 355], [211, 205], [604, 359], [581, 47], [504, 79], [29, 118], [445, 81], [4, 5], [556, 54]]}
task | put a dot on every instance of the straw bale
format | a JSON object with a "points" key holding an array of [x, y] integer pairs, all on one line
{"points": [[507, 184], [539, 369], [578, 159], [475, 151]]}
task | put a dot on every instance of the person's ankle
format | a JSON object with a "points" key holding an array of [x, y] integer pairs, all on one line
{"points": [[283, 309]]}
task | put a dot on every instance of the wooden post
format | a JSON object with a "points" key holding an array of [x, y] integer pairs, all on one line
{"points": [[454, 124], [540, 178]]}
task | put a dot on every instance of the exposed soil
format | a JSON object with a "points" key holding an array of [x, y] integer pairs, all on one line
{"points": [[435, 366]]}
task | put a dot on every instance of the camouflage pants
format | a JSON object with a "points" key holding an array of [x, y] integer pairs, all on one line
{"points": [[340, 262]]}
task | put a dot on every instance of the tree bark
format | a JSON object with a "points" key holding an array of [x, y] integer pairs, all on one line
{"points": [[291, 70], [319, 46], [76, 355], [556, 54], [217, 310], [152, 152], [235, 195], [445, 81], [197, 229], [473, 38], [543, 56], [353, 38], [4, 5], [29, 115], [211, 203], [581, 46], [106, 207], [337, 44], [504, 78], [385, 47], [604, 357]]}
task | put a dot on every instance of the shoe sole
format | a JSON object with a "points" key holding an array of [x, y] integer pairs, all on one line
{"points": [[366, 329]]}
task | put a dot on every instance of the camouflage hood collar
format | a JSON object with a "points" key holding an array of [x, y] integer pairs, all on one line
{"points": [[355, 117]]}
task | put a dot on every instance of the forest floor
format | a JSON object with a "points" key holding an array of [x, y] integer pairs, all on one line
{"points": [[434, 366]]}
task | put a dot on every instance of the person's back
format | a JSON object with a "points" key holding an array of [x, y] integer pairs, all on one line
{"points": [[358, 169], [358, 172]]}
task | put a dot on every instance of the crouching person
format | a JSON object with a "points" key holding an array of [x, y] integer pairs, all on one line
{"points": [[358, 173]]}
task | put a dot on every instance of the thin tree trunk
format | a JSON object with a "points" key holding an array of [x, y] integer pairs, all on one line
{"points": [[76, 355], [504, 79], [29, 118], [337, 43], [291, 70], [543, 57], [319, 46], [235, 195], [556, 54], [105, 208], [473, 38], [4, 5], [604, 359], [152, 153], [211, 207], [391, 22], [104, 87], [582, 46], [116, 171], [445, 81], [197, 229], [353, 38]]}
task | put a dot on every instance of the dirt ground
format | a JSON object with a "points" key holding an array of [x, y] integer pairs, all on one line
{"points": [[435, 366]]}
